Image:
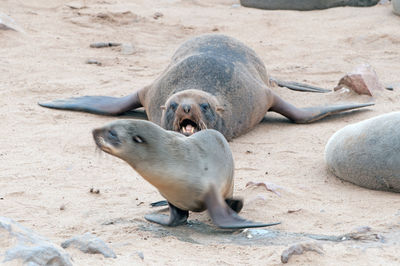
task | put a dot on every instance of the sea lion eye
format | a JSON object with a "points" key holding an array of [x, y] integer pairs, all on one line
{"points": [[205, 106], [137, 139], [173, 105]]}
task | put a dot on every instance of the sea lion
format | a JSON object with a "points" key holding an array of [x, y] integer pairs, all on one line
{"points": [[213, 81], [193, 174], [305, 5], [367, 153]]}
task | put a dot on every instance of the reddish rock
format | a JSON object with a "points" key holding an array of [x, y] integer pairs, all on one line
{"points": [[363, 80]]}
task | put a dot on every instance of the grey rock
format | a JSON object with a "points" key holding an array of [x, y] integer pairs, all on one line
{"points": [[396, 7], [89, 243], [367, 153], [304, 4], [31, 248], [7, 23]]}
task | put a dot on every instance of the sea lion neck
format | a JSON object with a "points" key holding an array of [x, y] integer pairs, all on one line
{"points": [[158, 171]]}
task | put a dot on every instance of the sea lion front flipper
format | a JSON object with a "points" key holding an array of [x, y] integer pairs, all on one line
{"points": [[102, 105], [296, 86], [176, 217], [310, 114], [234, 204], [223, 216]]}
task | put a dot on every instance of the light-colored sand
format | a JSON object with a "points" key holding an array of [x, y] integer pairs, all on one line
{"points": [[48, 158]]}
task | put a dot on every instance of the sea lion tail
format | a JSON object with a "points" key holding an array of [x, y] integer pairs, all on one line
{"points": [[310, 114], [102, 105]]}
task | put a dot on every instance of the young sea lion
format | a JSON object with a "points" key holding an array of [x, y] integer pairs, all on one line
{"points": [[193, 174], [367, 153], [213, 81]]}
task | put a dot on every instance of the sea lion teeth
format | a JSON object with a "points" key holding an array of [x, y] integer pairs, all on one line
{"points": [[189, 128], [186, 184]]}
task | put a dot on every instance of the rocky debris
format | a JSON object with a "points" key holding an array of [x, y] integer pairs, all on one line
{"points": [[31, 248], [7, 23], [104, 44], [94, 190], [393, 86], [93, 62], [396, 7], [140, 254], [299, 249], [268, 186], [362, 80], [89, 243]]}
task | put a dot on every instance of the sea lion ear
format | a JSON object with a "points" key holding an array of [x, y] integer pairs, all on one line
{"points": [[220, 109], [163, 107]]}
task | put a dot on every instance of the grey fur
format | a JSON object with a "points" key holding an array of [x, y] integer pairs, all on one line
{"points": [[367, 153]]}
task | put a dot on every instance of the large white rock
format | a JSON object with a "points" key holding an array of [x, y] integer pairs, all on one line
{"points": [[367, 153]]}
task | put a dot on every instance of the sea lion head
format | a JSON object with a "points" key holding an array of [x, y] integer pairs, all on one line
{"points": [[190, 111], [134, 141]]}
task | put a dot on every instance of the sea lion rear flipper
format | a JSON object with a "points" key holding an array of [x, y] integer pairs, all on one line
{"points": [[102, 105], [223, 216], [175, 218], [311, 114], [296, 86], [159, 203]]}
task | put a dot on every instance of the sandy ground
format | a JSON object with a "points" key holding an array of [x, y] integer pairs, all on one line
{"points": [[48, 158]]}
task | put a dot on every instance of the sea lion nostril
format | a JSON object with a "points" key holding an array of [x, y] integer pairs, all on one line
{"points": [[186, 108], [112, 134]]}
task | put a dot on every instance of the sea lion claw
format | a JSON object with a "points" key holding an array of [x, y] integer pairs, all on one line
{"points": [[175, 218]]}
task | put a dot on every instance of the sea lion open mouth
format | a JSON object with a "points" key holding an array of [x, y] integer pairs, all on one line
{"points": [[188, 127]]}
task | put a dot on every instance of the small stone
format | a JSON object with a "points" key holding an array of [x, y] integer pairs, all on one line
{"points": [[93, 61], [140, 254], [103, 44], [299, 249], [158, 15], [7, 23], [89, 243], [94, 190]]}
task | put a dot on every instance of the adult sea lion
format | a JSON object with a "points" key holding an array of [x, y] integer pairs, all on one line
{"points": [[305, 5], [193, 174], [213, 81], [367, 153]]}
